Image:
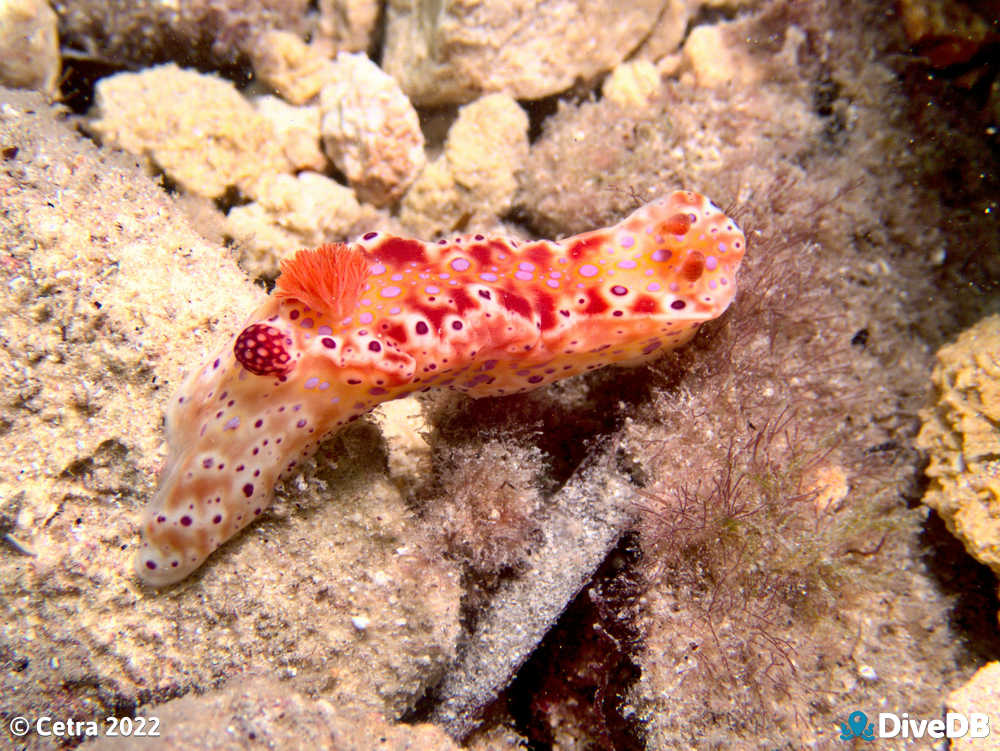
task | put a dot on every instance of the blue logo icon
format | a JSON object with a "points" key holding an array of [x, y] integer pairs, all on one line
{"points": [[857, 727]]}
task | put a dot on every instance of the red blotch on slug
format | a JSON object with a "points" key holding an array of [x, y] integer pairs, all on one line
{"points": [[678, 224], [693, 266]]}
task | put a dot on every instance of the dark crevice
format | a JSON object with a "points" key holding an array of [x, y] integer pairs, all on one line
{"points": [[580, 674], [972, 585]]}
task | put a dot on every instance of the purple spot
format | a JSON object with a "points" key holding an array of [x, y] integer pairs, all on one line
{"points": [[588, 270], [217, 518], [307, 323], [374, 346], [329, 343], [232, 424], [300, 423], [161, 518], [324, 330], [311, 383], [207, 463], [457, 325], [294, 315], [376, 390], [678, 305], [536, 379], [248, 489], [186, 521], [422, 328], [151, 565], [662, 254], [369, 236], [460, 264], [485, 294], [619, 290], [258, 423], [215, 364]]}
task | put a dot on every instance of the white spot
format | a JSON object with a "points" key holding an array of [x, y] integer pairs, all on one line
{"points": [[360, 622]]}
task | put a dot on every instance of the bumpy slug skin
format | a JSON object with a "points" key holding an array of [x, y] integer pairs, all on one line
{"points": [[352, 325]]}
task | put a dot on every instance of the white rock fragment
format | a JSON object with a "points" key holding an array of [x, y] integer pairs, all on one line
{"points": [[370, 130], [360, 622], [403, 424], [867, 672]]}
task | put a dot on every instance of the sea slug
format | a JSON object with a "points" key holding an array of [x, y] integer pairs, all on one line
{"points": [[351, 325]]}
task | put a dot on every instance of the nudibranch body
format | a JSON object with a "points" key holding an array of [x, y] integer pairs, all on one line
{"points": [[352, 325]]}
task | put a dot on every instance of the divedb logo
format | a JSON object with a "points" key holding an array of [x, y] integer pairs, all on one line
{"points": [[891, 725]]}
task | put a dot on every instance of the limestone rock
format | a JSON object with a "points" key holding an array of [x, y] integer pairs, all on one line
{"points": [[474, 182], [204, 34], [981, 694], [29, 45], [196, 128], [632, 84], [453, 52], [297, 132], [292, 212], [294, 69], [717, 57], [370, 130], [261, 711], [347, 25], [486, 147], [961, 437]]}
